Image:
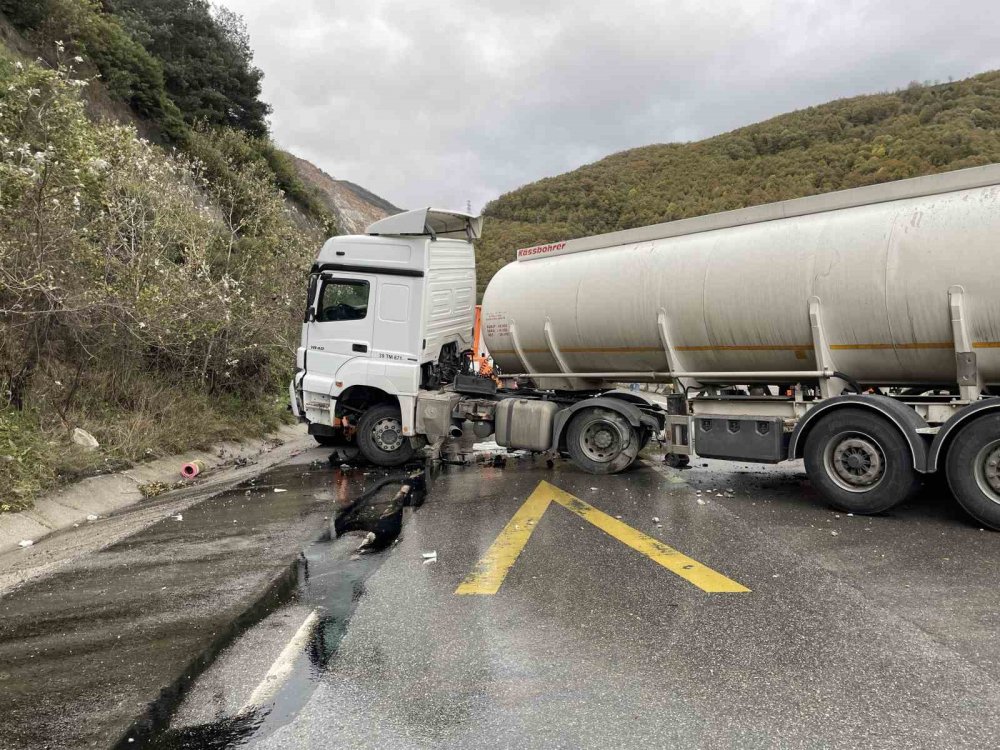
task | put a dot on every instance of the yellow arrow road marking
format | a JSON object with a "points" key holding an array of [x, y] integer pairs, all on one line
{"points": [[489, 573]]}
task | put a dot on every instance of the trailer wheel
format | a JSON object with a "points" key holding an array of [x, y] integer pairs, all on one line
{"points": [[973, 469], [859, 462], [380, 436], [601, 441]]}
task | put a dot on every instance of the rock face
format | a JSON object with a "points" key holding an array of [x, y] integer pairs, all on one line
{"points": [[354, 207]]}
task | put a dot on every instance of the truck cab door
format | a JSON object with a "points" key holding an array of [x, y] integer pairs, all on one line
{"points": [[343, 321]]}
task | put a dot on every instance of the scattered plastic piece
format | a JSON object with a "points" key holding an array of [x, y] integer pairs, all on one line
{"points": [[700, 501], [834, 533], [429, 557], [656, 519], [92, 517], [279, 489], [25, 543], [178, 517], [85, 439]]}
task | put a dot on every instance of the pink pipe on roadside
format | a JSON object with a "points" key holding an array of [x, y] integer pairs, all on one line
{"points": [[192, 469]]}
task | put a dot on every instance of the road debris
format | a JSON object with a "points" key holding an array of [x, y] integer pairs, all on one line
{"points": [[429, 557], [25, 542], [179, 517], [83, 438], [279, 489], [702, 502], [192, 469], [92, 517], [656, 519]]}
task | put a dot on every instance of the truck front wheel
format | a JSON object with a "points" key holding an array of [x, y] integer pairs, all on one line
{"points": [[973, 469], [601, 441], [859, 462], [380, 436]]}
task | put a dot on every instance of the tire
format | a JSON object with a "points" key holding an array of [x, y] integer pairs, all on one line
{"points": [[601, 441], [973, 469], [380, 436], [859, 462]]}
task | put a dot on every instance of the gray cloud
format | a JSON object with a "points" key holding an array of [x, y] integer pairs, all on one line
{"points": [[442, 102]]}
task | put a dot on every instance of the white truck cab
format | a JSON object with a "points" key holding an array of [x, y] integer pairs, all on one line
{"points": [[387, 312]]}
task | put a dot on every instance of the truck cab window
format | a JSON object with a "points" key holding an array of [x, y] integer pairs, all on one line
{"points": [[343, 299]]}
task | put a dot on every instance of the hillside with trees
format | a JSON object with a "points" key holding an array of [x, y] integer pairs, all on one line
{"points": [[153, 238], [847, 143]]}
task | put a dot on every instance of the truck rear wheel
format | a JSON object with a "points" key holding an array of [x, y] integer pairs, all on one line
{"points": [[380, 436], [973, 469], [601, 441], [859, 462]]}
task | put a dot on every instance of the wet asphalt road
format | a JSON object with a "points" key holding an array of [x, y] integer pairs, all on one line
{"points": [[89, 649], [856, 632]]}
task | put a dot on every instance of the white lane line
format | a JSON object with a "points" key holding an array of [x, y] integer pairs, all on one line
{"points": [[281, 669]]}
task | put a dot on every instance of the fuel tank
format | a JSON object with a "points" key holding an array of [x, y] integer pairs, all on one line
{"points": [[880, 266]]}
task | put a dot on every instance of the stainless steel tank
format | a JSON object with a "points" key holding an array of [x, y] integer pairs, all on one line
{"points": [[731, 292]]}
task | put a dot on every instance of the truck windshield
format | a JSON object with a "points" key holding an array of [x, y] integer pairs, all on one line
{"points": [[343, 299]]}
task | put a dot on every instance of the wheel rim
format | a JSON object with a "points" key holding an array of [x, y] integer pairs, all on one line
{"points": [[387, 434], [855, 461], [602, 440], [988, 470]]}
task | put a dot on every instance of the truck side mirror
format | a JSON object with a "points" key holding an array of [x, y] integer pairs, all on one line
{"points": [[311, 298]]}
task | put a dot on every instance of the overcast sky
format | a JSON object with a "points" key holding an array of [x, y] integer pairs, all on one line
{"points": [[436, 103]]}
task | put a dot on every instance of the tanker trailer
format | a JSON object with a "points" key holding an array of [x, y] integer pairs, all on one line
{"points": [[858, 330]]}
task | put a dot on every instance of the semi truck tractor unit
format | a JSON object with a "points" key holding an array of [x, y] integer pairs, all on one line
{"points": [[857, 330]]}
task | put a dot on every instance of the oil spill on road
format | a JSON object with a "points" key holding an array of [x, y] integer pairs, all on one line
{"points": [[331, 581]]}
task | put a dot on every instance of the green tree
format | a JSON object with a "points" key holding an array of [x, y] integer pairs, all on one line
{"points": [[858, 141], [206, 57]]}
